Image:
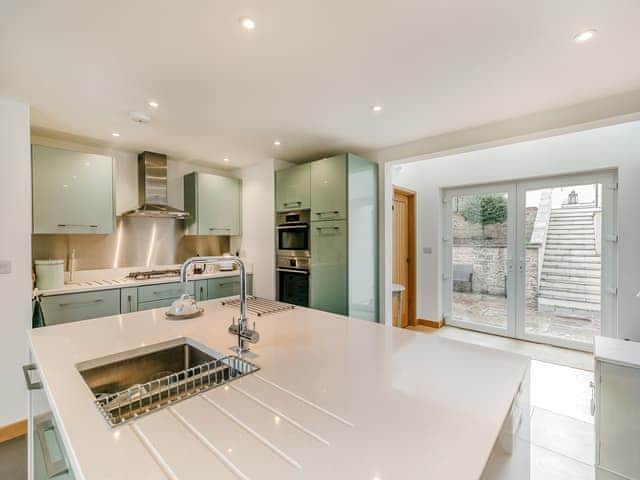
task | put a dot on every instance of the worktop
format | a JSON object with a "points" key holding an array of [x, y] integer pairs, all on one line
{"points": [[334, 398]]}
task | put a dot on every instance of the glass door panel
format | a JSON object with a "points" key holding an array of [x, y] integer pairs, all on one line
{"points": [[561, 249], [480, 263]]}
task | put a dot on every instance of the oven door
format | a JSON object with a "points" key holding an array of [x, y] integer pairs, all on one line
{"points": [[293, 240], [293, 286]]}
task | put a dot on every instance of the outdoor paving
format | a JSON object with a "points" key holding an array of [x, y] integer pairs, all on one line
{"points": [[490, 310]]}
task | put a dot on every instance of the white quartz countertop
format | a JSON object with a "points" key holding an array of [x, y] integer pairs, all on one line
{"points": [[107, 284], [335, 398], [615, 350]]}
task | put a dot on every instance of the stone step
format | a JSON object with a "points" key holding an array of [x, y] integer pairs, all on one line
{"points": [[572, 259], [551, 272], [569, 287], [571, 231], [572, 213], [570, 223], [574, 252], [559, 281], [574, 297], [551, 303], [571, 265], [562, 240], [571, 246], [571, 206]]}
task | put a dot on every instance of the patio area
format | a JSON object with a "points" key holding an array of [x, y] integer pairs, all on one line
{"points": [[491, 310]]}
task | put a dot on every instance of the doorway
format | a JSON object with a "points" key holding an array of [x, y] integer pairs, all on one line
{"points": [[533, 260], [404, 251]]}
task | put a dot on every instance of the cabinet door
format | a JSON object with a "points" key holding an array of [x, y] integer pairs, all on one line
{"points": [[227, 286], [201, 290], [72, 192], [618, 418], [329, 188], [163, 291], [73, 307], [293, 188], [219, 200], [329, 266], [129, 300]]}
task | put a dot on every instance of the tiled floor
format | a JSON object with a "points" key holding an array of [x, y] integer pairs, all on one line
{"points": [[559, 441]]}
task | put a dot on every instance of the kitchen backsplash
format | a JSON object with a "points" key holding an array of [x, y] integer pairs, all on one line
{"points": [[137, 242]]}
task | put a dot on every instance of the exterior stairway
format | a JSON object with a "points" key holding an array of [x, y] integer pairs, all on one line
{"points": [[570, 280]]}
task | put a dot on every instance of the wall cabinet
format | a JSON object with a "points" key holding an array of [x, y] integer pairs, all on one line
{"points": [[329, 266], [615, 404], [72, 192], [213, 203], [73, 307], [329, 188], [293, 188]]}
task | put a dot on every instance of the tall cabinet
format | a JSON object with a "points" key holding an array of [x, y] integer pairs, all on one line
{"points": [[213, 203], [343, 201]]}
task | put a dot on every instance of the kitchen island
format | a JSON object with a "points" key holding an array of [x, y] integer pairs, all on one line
{"points": [[334, 398]]}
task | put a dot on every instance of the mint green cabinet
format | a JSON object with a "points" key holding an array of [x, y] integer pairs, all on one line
{"points": [[200, 290], [129, 300], [72, 192], [329, 265], [213, 203], [329, 188], [227, 286], [73, 307], [293, 188]]}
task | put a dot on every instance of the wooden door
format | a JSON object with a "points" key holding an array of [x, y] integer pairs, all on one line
{"points": [[403, 265]]}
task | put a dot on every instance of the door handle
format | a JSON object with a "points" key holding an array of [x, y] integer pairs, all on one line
{"points": [[88, 302], [62, 225], [27, 378], [286, 204]]}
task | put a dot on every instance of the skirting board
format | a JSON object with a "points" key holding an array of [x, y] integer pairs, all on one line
{"points": [[13, 430], [431, 323]]}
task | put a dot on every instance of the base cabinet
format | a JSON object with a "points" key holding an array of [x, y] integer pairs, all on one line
{"points": [[615, 404]]}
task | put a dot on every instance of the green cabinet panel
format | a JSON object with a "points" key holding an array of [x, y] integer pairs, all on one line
{"points": [[227, 286], [200, 290], [329, 188], [72, 307], [293, 188], [329, 257], [72, 192], [142, 306], [129, 300], [213, 203], [163, 291]]}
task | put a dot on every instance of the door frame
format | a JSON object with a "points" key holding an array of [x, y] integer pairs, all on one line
{"points": [[447, 256], [411, 216], [608, 254]]}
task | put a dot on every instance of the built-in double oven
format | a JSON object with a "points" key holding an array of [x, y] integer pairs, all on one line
{"points": [[293, 257]]}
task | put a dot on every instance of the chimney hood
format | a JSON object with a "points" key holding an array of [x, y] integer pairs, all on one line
{"points": [[152, 188]]}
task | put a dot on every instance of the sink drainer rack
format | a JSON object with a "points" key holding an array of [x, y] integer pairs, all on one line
{"points": [[259, 306], [121, 407]]}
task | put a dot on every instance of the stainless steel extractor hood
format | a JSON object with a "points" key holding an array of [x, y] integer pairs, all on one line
{"points": [[152, 188]]}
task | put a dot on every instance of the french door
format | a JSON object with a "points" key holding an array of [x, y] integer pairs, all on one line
{"points": [[533, 260]]}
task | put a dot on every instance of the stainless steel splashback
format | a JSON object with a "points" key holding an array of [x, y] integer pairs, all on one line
{"points": [[137, 242]]}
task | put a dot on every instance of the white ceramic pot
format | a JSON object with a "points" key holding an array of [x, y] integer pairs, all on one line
{"points": [[49, 274]]}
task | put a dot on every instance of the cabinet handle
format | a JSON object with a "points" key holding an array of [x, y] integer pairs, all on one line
{"points": [[52, 467], [167, 292], [286, 204], [226, 229], [327, 228], [334, 212], [62, 225], [593, 399], [89, 302], [130, 303], [233, 282], [201, 293], [27, 378]]}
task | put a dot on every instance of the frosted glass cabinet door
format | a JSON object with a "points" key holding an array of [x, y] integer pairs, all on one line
{"points": [[72, 191], [329, 266], [292, 188], [329, 188]]}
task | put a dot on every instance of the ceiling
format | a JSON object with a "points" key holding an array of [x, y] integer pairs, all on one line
{"points": [[309, 72]]}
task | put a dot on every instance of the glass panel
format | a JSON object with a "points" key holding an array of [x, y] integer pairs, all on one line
{"points": [[294, 239], [563, 262], [480, 251]]}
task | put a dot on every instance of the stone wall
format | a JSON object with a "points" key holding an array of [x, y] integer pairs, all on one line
{"points": [[467, 233]]}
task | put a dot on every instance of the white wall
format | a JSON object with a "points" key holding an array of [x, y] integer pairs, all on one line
{"points": [[615, 146], [257, 243], [15, 246]]}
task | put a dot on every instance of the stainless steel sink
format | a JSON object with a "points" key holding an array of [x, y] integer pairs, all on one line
{"points": [[140, 381]]}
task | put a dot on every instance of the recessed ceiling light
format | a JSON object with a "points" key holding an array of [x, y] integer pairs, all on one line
{"points": [[376, 108], [153, 104], [225, 159], [115, 134], [276, 143], [585, 36], [247, 23]]}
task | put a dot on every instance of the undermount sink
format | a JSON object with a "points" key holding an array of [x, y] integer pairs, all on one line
{"points": [[140, 381]]}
